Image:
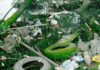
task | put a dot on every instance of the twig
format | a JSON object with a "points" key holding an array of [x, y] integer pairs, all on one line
{"points": [[29, 26], [38, 49], [88, 27], [39, 54], [2, 58], [49, 13]]}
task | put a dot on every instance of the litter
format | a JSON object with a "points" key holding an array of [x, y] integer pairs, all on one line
{"points": [[77, 58], [37, 30], [19, 65], [96, 58], [70, 65]]}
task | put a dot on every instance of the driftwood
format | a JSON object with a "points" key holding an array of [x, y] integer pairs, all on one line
{"points": [[39, 54]]}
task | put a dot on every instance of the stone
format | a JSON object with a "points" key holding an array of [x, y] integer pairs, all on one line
{"points": [[9, 43], [83, 46], [87, 58]]}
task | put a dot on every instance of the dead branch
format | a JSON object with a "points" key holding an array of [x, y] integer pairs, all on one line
{"points": [[39, 54], [49, 13], [29, 26]]}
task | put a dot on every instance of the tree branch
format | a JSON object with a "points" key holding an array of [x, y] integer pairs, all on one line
{"points": [[39, 54]]}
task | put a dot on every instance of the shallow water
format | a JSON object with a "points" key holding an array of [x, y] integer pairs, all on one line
{"points": [[5, 5]]}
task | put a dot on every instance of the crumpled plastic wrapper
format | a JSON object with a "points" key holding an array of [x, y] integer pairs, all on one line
{"points": [[68, 65]]}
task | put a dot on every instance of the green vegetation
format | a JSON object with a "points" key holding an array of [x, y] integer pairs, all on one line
{"points": [[83, 12], [63, 49]]}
